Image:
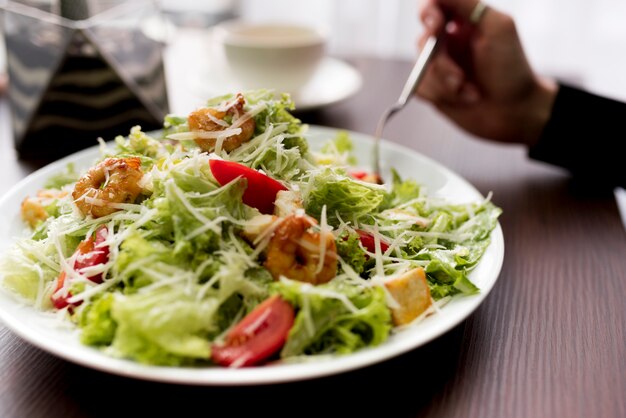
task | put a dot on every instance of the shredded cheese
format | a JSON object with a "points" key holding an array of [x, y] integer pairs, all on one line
{"points": [[325, 230], [191, 135]]}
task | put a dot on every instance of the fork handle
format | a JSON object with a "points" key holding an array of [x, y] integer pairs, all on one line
{"points": [[418, 70]]}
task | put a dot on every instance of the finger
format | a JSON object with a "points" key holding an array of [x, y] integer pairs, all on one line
{"points": [[442, 81], [458, 44], [421, 41], [459, 8], [431, 16], [3, 83], [469, 94], [463, 10]]}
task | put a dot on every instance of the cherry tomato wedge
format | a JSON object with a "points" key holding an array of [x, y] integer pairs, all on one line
{"points": [[365, 176], [258, 336], [92, 253], [88, 253], [60, 301], [358, 174], [367, 240], [261, 191]]}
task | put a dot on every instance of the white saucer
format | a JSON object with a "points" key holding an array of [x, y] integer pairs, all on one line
{"points": [[334, 81]]}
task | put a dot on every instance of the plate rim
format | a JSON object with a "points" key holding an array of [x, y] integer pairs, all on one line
{"points": [[210, 376]]}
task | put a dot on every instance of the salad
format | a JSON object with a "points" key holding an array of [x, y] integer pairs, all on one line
{"points": [[225, 240]]}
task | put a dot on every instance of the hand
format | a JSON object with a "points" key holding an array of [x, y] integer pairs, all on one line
{"points": [[3, 83], [480, 77]]}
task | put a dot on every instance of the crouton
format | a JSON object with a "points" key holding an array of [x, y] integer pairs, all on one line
{"points": [[412, 294]]}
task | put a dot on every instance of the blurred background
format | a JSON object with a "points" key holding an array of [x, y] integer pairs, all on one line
{"points": [[578, 41]]}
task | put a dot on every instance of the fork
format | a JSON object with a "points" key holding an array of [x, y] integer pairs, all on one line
{"points": [[407, 92]]}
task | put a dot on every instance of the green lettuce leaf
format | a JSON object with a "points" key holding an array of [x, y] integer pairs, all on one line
{"points": [[185, 214], [448, 268], [23, 273], [325, 324], [350, 251], [343, 197], [402, 191], [164, 326], [98, 327], [134, 250], [68, 176], [140, 145], [338, 150], [276, 112]]}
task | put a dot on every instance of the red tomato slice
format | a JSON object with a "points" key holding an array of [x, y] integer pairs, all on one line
{"points": [[89, 254], [92, 253], [60, 301], [258, 336], [357, 174], [367, 240], [365, 176], [261, 191]]}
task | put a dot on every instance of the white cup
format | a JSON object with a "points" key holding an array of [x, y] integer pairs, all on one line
{"points": [[277, 56]]}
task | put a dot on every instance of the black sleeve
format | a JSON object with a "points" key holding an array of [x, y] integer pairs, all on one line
{"points": [[585, 134]]}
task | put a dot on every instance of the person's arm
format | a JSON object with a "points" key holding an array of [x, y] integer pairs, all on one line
{"points": [[585, 134]]}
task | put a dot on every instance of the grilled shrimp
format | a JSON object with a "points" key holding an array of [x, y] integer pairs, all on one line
{"points": [[33, 208], [294, 252], [211, 119], [114, 180]]}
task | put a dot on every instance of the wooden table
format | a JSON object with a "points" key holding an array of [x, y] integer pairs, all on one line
{"points": [[549, 341]]}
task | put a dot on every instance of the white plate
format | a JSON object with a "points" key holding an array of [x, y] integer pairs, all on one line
{"points": [[38, 329], [334, 81]]}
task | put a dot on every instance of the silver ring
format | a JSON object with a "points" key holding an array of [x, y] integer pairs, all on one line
{"points": [[478, 12]]}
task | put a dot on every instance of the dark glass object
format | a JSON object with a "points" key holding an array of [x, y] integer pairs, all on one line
{"points": [[80, 70]]}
